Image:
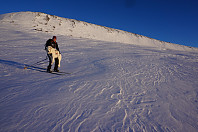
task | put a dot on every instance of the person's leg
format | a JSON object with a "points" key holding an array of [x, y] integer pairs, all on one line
{"points": [[56, 65], [50, 61]]}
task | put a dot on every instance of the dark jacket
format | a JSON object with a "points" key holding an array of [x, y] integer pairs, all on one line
{"points": [[51, 42]]}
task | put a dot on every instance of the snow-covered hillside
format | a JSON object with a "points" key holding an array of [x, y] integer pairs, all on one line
{"points": [[70, 27], [114, 86]]}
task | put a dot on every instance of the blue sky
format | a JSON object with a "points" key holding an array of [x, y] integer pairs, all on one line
{"points": [[174, 21]]}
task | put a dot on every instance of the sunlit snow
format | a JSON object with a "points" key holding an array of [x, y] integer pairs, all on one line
{"points": [[120, 81]]}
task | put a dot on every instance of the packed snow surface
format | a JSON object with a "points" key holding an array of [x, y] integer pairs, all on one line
{"points": [[114, 86]]}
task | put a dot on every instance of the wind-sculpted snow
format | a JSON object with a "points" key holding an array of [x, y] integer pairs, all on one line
{"points": [[113, 86], [42, 22]]}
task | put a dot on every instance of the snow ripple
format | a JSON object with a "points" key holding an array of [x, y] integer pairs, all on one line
{"points": [[113, 87]]}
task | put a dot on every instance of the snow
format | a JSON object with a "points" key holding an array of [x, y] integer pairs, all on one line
{"points": [[145, 85], [70, 27]]}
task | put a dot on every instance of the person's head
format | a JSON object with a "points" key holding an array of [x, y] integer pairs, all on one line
{"points": [[54, 38]]}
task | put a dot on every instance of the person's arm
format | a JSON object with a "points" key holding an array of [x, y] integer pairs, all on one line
{"points": [[57, 47]]}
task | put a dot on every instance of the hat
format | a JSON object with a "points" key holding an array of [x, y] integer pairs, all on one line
{"points": [[54, 37]]}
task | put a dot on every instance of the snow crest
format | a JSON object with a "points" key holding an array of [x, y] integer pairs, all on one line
{"points": [[70, 27]]}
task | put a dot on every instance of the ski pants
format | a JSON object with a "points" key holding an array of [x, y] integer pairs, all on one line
{"points": [[50, 62]]}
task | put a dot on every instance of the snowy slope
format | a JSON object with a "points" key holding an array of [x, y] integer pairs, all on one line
{"points": [[113, 86], [70, 27]]}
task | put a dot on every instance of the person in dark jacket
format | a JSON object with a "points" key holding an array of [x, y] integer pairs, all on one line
{"points": [[52, 44]]}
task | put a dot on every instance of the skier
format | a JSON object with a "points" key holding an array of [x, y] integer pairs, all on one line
{"points": [[53, 53]]}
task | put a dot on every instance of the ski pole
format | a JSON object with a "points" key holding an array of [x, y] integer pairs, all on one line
{"points": [[37, 63]]}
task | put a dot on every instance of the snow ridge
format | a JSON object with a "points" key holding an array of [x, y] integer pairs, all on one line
{"points": [[70, 27]]}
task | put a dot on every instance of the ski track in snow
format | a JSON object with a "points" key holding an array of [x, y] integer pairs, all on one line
{"points": [[113, 86]]}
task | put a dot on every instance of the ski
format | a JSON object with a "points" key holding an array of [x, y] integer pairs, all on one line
{"points": [[40, 69], [59, 73]]}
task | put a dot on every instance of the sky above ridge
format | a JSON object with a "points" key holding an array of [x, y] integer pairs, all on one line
{"points": [[172, 21]]}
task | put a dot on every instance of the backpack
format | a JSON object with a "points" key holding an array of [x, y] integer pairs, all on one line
{"points": [[48, 43]]}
